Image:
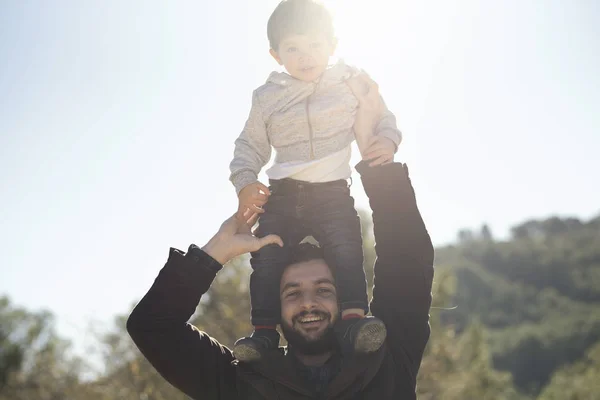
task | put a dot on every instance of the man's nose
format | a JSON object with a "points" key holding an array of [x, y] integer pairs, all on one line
{"points": [[308, 301]]}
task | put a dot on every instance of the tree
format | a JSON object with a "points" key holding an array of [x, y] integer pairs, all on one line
{"points": [[224, 312], [537, 294], [127, 374], [465, 236], [458, 366], [34, 361], [578, 381], [486, 233]]}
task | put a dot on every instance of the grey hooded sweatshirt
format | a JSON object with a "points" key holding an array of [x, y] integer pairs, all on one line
{"points": [[303, 121]]}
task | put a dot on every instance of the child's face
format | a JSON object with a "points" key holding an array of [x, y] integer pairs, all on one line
{"points": [[305, 57]]}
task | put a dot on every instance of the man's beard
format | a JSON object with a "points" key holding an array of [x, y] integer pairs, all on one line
{"points": [[310, 347]]}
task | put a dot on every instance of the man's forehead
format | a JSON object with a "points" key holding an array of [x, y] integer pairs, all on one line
{"points": [[307, 273]]}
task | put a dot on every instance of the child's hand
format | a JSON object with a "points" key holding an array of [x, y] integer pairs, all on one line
{"points": [[380, 149], [252, 197]]}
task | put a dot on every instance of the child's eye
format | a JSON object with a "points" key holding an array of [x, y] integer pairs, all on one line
{"points": [[315, 45], [292, 49]]}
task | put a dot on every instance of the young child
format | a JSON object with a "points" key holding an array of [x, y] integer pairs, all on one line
{"points": [[307, 115]]}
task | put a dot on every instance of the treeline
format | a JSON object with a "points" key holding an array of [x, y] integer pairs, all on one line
{"points": [[537, 294], [513, 319]]}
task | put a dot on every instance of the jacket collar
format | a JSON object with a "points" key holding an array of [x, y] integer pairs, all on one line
{"points": [[279, 367], [275, 366], [363, 368]]}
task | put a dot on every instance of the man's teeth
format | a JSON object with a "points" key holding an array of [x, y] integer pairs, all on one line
{"points": [[311, 319]]}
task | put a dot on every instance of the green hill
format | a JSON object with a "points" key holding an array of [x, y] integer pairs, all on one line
{"points": [[537, 293]]}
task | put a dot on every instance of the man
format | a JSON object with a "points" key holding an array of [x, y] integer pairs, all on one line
{"points": [[312, 367]]}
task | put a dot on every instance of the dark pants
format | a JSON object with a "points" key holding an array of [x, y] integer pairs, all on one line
{"points": [[297, 209]]}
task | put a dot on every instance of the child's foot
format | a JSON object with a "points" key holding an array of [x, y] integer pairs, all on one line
{"points": [[250, 349], [361, 335]]}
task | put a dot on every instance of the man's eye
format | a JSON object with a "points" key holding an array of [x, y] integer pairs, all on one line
{"points": [[324, 291], [291, 294]]}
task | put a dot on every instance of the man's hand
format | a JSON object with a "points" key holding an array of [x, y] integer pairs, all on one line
{"points": [[370, 109], [235, 238], [252, 197], [380, 149]]}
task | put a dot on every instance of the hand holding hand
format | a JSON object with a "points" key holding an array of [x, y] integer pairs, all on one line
{"points": [[252, 197], [235, 238], [380, 149]]}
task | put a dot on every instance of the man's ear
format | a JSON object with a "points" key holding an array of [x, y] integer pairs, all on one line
{"points": [[275, 55]]}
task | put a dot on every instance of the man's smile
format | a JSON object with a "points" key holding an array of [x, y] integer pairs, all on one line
{"points": [[312, 321]]}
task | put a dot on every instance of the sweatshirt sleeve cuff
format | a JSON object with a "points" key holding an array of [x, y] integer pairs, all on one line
{"points": [[394, 135], [243, 179]]}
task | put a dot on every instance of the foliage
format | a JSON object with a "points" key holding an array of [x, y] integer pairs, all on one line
{"points": [[32, 357], [577, 381], [537, 293]]}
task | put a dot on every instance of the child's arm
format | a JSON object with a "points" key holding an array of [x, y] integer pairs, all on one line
{"points": [[375, 127], [252, 149], [388, 128]]}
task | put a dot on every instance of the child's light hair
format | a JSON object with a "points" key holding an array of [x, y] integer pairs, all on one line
{"points": [[299, 17]]}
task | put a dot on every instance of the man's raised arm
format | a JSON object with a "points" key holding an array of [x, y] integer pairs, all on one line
{"points": [[404, 265], [189, 359]]}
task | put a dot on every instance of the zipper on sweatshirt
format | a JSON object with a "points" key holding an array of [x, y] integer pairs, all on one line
{"points": [[310, 130]]}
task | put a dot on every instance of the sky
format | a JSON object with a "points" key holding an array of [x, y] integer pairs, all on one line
{"points": [[117, 123]]}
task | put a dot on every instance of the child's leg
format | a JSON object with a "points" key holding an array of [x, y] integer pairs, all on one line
{"points": [[267, 264], [264, 291], [337, 227], [266, 271]]}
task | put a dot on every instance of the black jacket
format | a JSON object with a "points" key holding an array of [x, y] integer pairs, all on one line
{"points": [[202, 368]]}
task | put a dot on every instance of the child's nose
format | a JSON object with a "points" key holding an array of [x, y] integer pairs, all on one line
{"points": [[305, 58]]}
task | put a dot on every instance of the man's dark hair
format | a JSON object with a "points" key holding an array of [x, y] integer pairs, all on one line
{"points": [[298, 17], [304, 252]]}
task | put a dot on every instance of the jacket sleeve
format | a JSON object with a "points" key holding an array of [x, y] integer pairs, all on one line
{"points": [[252, 149], [189, 359], [404, 265], [387, 127]]}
